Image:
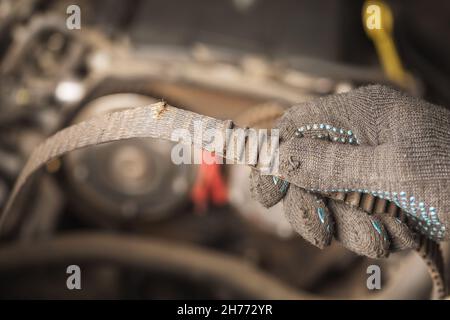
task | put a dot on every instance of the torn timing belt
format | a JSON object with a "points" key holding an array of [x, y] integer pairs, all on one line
{"points": [[158, 121]]}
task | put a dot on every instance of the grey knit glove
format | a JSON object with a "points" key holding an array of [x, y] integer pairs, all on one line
{"points": [[372, 140]]}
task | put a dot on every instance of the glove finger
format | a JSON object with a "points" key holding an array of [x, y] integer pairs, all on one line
{"points": [[400, 236], [352, 110], [358, 231], [267, 190], [319, 165], [309, 216]]}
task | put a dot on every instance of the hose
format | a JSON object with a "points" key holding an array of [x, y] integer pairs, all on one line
{"points": [[153, 255]]}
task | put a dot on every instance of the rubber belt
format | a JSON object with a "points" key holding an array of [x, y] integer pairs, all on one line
{"points": [[159, 121]]}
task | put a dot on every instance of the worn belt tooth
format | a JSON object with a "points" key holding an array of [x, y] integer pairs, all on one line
{"points": [[439, 256], [353, 198], [433, 251], [409, 222], [423, 244], [338, 195], [380, 206], [367, 202], [402, 216], [392, 209], [427, 248], [423, 247]]}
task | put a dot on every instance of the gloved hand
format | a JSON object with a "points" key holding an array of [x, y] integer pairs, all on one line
{"points": [[373, 140]]}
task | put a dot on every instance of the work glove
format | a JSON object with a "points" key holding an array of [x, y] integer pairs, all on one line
{"points": [[373, 140]]}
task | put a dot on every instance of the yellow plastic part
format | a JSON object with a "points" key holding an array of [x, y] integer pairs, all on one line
{"points": [[378, 23]]}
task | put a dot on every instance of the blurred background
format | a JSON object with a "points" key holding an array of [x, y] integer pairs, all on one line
{"points": [[140, 227]]}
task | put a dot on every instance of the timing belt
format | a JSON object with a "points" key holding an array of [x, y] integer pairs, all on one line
{"points": [[159, 120]]}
